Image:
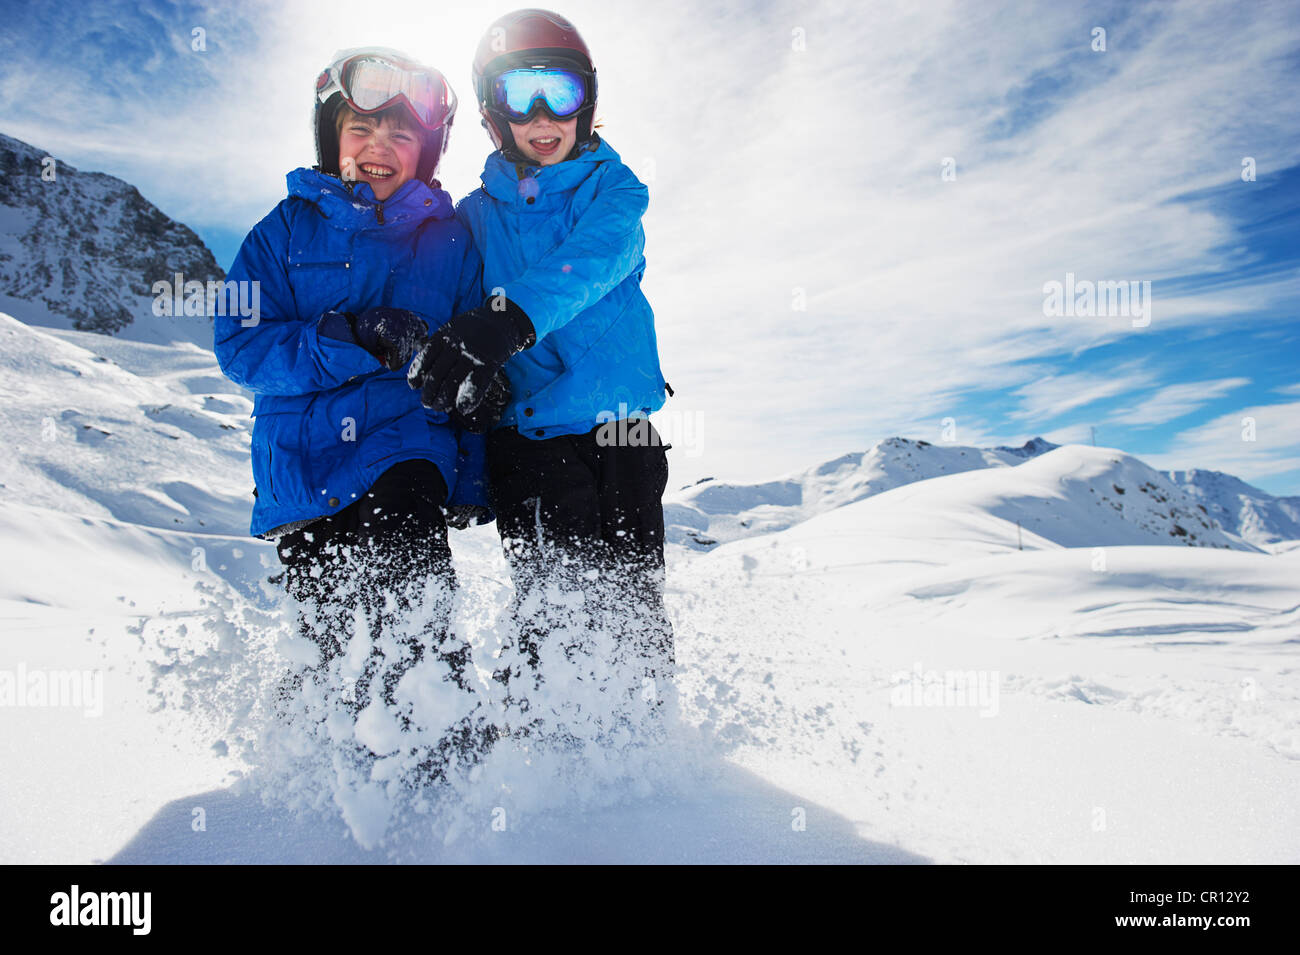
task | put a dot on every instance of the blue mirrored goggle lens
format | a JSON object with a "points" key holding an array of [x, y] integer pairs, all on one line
{"points": [[517, 92]]}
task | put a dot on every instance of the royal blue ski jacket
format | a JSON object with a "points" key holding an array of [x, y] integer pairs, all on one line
{"points": [[565, 244], [330, 418]]}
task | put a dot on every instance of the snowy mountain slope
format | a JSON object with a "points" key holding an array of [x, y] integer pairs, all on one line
{"points": [[86, 248], [162, 445], [123, 504], [711, 512], [124, 500], [1128, 699], [1115, 498], [808, 685], [1248, 512], [1075, 496], [89, 596], [143, 808], [907, 666]]}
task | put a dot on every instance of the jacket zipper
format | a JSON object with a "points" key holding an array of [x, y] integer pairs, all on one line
{"points": [[379, 213]]}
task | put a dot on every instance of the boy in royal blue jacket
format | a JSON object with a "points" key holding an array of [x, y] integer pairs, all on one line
{"points": [[356, 267], [576, 472]]}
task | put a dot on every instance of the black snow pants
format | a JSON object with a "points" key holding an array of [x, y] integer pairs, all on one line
{"points": [[384, 546], [586, 512]]}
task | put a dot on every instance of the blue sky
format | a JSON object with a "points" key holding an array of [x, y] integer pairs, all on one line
{"points": [[819, 284]]}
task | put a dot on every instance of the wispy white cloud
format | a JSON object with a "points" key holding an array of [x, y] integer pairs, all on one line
{"points": [[1054, 395], [1252, 443], [1174, 401]]}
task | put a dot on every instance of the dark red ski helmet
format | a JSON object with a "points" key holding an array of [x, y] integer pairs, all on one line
{"points": [[531, 38]]}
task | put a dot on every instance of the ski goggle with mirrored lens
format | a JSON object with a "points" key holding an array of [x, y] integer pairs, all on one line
{"points": [[518, 94], [370, 84]]}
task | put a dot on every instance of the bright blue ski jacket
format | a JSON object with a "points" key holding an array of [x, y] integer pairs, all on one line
{"points": [[330, 419], [565, 244]]}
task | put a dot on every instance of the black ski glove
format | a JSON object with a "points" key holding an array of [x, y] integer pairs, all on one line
{"points": [[458, 363], [489, 412], [390, 334]]}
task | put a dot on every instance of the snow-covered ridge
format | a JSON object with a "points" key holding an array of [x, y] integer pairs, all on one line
{"points": [[712, 512], [1073, 495], [105, 427], [86, 248], [1248, 512]]}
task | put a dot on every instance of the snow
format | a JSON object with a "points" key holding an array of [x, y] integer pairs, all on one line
{"points": [[85, 249], [1255, 515], [101, 425], [710, 512], [881, 667]]}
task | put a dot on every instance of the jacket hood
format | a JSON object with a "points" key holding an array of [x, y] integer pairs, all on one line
{"points": [[502, 178], [353, 205]]}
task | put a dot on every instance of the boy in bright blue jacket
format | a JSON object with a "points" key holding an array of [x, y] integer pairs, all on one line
{"points": [[362, 260], [576, 472]]}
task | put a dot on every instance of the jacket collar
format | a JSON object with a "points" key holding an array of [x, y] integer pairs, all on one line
{"points": [[353, 205], [502, 178]]}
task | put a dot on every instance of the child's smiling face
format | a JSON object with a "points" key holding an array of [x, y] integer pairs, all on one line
{"points": [[384, 152], [544, 140]]}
